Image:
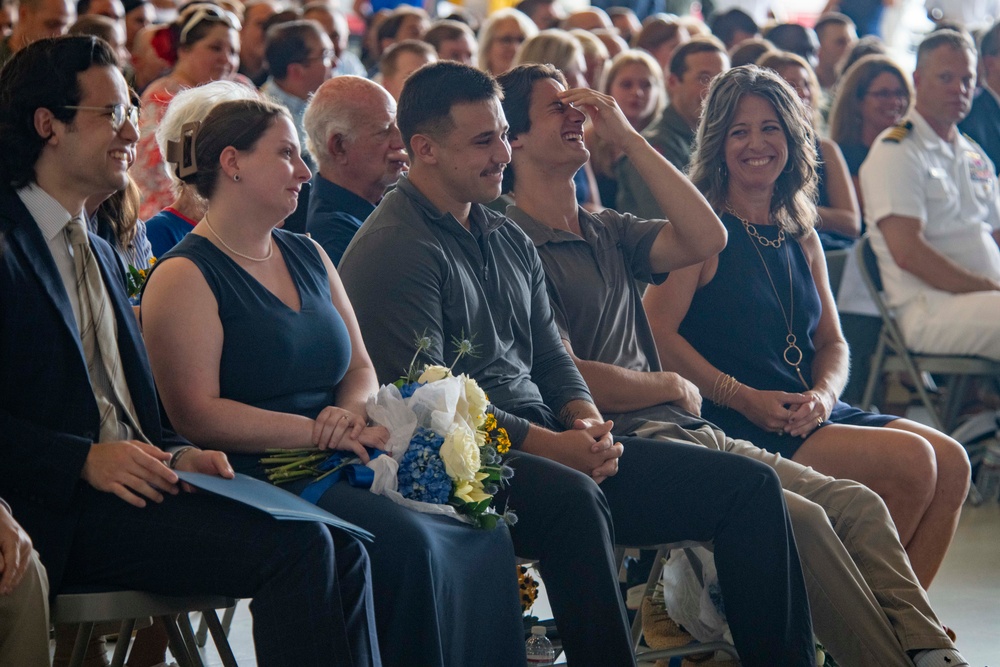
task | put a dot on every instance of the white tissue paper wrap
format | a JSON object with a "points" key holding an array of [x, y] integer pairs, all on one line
{"points": [[438, 406]]}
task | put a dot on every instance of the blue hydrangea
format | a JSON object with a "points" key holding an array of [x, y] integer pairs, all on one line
{"points": [[407, 389], [421, 472]]}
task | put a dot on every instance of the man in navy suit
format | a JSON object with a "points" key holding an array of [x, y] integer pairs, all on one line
{"points": [[109, 511], [983, 122]]}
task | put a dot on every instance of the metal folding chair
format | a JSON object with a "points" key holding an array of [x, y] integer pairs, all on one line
{"points": [[892, 354], [88, 607]]}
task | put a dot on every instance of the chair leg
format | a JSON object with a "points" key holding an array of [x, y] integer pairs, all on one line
{"points": [[176, 642], [227, 618], [874, 373], [220, 636], [123, 643], [187, 632], [83, 634]]}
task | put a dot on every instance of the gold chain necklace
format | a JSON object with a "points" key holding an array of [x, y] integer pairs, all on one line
{"points": [[754, 234], [793, 353], [270, 247]]}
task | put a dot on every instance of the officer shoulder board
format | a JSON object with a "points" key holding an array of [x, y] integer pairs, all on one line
{"points": [[898, 132]]}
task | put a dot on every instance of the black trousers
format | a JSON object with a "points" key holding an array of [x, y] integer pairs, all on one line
{"points": [[663, 492], [311, 586]]}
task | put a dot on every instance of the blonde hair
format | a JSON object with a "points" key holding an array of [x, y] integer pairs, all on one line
{"points": [[488, 30]]}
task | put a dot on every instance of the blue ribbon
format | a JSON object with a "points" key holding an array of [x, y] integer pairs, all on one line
{"points": [[357, 474]]}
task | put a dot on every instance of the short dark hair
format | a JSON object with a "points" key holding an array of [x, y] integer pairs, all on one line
{"points": [[447, 30], [238, 123], [989, 43], [939, 38], [701, 44], [43, 75], [795, 38], [390, 27], [833, 18], [288, 43], [724, 25], [430, 93], [517, 85], [388, 63]]}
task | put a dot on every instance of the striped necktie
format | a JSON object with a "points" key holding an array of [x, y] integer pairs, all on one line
{"points": [[100, 342]]}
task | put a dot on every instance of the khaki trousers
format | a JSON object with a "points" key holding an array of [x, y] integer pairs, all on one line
{"points": [[24, 619], [867, 606]]}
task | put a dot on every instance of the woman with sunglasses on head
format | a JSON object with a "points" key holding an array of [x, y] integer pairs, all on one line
{"points": [[756, 327], [203, 45]]}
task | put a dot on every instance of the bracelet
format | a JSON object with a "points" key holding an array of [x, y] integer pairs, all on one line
{"points": [[725, 389], [176, 456]]}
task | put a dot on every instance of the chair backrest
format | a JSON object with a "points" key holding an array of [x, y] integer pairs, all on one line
{"points": [[836, 260], [868, 265]]}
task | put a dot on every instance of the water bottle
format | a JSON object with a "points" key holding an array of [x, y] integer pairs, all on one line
{"points": [[539, 648], [988, 478]]}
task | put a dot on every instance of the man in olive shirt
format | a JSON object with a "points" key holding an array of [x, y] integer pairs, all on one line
{"points": [[24, 592], [692, 68]]}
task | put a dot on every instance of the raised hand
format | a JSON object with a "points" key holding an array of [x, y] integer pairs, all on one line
{"points": [[608, 120]]}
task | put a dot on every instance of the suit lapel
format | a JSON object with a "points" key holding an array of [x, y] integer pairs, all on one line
{"points": [[26, 235]]}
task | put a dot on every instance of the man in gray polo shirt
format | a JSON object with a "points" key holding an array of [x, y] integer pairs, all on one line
{"points": [[432, 261], [595, 266]]}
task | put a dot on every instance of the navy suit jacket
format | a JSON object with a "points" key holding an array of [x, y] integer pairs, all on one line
{"points": [[48, 413], [983, 125]]}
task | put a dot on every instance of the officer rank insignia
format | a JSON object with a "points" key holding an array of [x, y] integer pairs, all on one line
{"points": [[898, 132]]}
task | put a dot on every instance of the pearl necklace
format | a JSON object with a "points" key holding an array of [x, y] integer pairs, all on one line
{"points": [[270, 247]]}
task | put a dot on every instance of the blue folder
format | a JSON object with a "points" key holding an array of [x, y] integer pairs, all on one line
{"points": [[277, 502]]}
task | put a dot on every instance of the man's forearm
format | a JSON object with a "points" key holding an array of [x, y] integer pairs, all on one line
{"points": [[578, 409], [617, 389]]}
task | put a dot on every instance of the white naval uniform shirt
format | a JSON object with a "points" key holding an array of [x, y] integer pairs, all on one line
{"points": [[950, 187]]}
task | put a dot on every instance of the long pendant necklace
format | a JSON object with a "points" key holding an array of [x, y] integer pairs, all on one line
{"points": [[793, 353]]}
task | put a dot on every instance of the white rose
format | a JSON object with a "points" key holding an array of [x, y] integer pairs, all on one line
{"points": [[460, 453], [476, 398], [434, 373]]}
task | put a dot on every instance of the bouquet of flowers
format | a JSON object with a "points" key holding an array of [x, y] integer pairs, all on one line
{"points": [[446, 447], [444, 454]]}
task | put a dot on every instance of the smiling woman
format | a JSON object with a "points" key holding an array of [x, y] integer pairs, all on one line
{"points": [[203, 45], [757, 330]]}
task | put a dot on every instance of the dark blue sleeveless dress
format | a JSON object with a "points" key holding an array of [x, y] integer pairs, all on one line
{"points": [[445, 593], [736, 323]]}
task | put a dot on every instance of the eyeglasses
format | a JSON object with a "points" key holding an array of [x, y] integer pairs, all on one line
{"points": [[327, 56], [884, 95], [510, 39], [119, 113]]}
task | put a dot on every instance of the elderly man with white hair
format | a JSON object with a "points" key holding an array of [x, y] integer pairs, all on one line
{"points": [[352, 135]]}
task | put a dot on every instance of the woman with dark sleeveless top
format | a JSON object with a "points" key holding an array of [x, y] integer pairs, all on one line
{"points": [[756, 328], [254, 346]]}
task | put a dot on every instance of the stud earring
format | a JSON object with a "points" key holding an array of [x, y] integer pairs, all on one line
{"points": [[236, 177]]}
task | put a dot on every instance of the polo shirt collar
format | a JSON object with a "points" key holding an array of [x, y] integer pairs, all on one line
{"points": [[541, 234], [478, 214], [341, 198]]}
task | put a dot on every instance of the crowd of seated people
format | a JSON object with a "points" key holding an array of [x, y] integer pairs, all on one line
{"points": [[205, 138]]}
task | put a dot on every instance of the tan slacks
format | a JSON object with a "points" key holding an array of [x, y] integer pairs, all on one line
{"points": [[24, 620], [867, 606]]}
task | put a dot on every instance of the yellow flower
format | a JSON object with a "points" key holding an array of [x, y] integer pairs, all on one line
{"points": [[152, 260], [503, 441], [471, 491], [460, 453], [490, 424], [434, 373]]}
